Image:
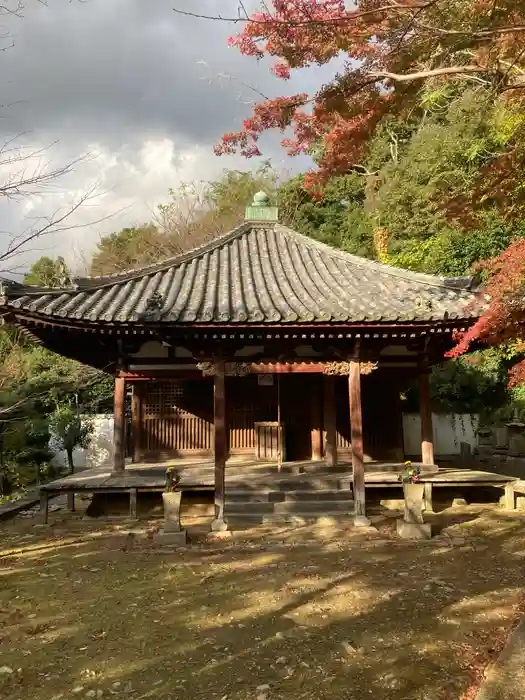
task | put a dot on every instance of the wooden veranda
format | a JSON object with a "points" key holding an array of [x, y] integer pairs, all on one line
{"points": [[258, 477]]}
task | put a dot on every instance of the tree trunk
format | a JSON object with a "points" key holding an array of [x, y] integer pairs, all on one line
{"points": [[70, 463]]}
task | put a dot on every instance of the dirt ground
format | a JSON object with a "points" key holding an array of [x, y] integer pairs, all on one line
{"points": [[92, 609]]}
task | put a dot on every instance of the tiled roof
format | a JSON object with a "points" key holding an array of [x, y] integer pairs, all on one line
{"points": [[255, 274]]}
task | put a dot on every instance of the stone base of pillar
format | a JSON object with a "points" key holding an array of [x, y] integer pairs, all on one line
{"points": [[177, 539], [219, 525], [361, 521], [413, 531]]}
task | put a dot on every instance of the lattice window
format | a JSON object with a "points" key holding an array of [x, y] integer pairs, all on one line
{"points": [[163, 399]]}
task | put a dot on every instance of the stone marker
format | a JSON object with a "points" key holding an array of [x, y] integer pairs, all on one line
{"points": [[412, 527], [172, 532]]}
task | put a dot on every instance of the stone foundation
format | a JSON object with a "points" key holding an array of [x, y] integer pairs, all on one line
{"points": [[413, 531]]}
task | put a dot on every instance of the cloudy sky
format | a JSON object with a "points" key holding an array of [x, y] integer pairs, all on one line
{"points": [[139, 89]]}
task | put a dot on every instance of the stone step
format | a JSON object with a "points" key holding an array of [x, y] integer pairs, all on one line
{"points": [[252, 508], [305, 518], [327, 518], [313, 483], [272, 496], [318, 508]]}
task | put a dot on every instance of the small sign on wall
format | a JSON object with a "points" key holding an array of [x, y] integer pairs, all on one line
{"points": [[265, 379]]}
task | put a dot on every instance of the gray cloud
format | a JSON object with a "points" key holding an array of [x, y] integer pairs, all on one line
{"points": [[138, 86], [112, 66]]}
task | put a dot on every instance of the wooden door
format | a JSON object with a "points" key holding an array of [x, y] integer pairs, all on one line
{"points": [[296, 415]]}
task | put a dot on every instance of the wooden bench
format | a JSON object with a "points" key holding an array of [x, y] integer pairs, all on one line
{"points": [[450, 478], [47, 493]]}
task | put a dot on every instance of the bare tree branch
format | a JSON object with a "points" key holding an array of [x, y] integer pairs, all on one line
{"points": [[406, 77], [343, 19], [25, 172]]}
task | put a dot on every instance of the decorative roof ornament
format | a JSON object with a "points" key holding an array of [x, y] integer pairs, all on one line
{"points": [[261, 209], [153, 308]]}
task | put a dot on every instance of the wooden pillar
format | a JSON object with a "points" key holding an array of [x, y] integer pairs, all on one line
{"points": [[315, 427], [425, 410], [136, 423], [220, 446], [119, 428], [356, 428], [329, 415]]}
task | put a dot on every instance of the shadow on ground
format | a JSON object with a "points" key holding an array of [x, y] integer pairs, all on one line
{"points": [[90, 610]]}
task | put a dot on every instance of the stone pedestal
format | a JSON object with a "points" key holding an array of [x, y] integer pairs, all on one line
{"points": [[516, 433], [361, 521], [219, 525], [500, 437], [172, 533], [413, 531], [414, 495], [485, 437], [412, 527]]}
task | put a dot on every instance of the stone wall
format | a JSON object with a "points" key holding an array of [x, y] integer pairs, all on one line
{"points": [[501, 449], [98, 454], [451, 434], [451, 431]]}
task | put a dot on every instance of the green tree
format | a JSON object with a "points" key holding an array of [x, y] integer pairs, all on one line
{"points": [[129, 248], [71, 429], [199, 212], [336, 218], [194, 214], [48, 272], [32, 381]]}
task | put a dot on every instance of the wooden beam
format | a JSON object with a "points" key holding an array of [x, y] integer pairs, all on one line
{"points": [[356, 428], [136, 423], [119, 428], [425, 410], [149, 375], [329, 416], [220, 446]]}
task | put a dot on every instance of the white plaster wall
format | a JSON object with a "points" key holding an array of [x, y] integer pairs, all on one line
{"points": [[448, 430], [100, 451]]}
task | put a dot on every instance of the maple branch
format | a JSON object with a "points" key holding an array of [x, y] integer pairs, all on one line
{"points": [[451, 70]]}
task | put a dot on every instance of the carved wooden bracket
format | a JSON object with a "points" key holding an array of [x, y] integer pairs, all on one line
{"points": [[337, 368], [367, 367], [231, 369], [343, 368]]}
